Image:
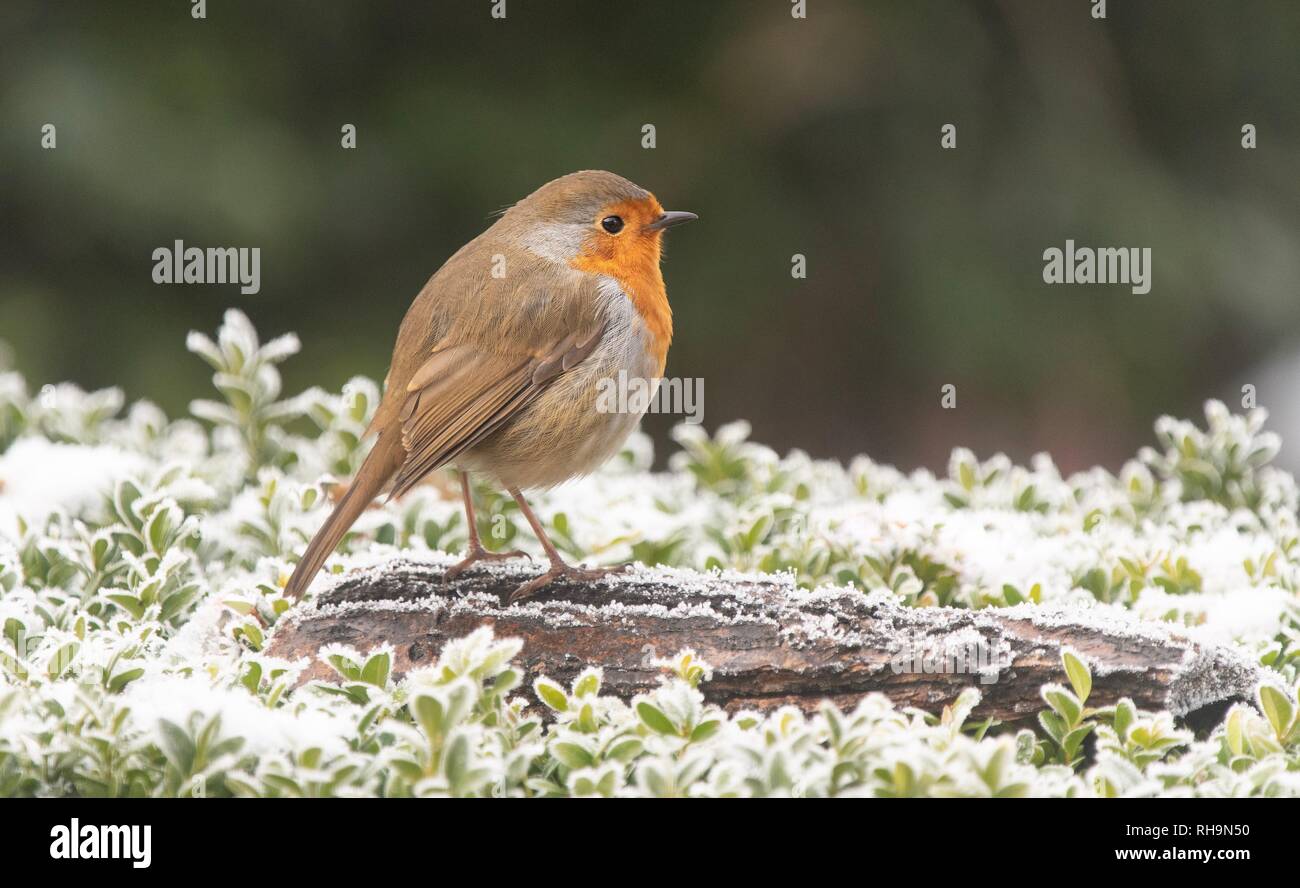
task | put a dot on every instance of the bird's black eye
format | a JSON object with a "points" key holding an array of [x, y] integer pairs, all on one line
{"points": [[612, 224]]}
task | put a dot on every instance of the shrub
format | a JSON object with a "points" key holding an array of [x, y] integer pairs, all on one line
{"points": [[142, 561]]}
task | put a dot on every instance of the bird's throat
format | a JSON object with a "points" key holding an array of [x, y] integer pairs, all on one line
{"points": [[637, 272]]}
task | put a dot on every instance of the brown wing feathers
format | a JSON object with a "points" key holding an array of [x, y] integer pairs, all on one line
{"points": [[459, 396], [445, 416], [446, 419]]}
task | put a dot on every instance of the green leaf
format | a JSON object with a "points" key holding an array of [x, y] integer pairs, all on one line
{"points": [[1065, 704], [572, 755], [128, 603], [13, 632], [551, 694], [345, 667], [177, 746], [1079, 675], [1125, 714], [408, 769], [252, 634], [243, 608], [587, 684], [62, 659], [176, 602], [161, 525], [1025, 502], [1235, 731], [654, 719], [377, 669], [1277, 709], [966, 475], [1053, 725], [705, 730], [626, 749], [429, 714], [456, 761], [122, 679], [1074, 740]]}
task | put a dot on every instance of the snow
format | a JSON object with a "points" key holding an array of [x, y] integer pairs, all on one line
{"points": [[264, 730], [39, 477]]}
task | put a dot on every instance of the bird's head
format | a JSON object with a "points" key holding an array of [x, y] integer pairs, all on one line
{"points": [[597, 222]]}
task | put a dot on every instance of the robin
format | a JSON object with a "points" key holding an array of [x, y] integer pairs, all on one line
{"points": [[499, 359]]}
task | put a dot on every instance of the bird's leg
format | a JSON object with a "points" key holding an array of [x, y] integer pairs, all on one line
{"points": [[559, 568], [474, 551]]}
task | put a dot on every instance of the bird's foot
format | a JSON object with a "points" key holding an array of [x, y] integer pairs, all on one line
{"points": [[562, 571], [477, 554]]}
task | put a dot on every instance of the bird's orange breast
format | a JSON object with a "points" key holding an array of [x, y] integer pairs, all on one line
{"points": [[633, 262]]}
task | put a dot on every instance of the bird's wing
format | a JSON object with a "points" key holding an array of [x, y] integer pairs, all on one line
{"points": [[465, 391]]}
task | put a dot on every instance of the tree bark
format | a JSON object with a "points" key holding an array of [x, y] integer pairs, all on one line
{"points": [[769, 643]]}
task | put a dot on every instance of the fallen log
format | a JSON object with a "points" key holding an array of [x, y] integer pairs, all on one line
{"points": [[769, 642]]}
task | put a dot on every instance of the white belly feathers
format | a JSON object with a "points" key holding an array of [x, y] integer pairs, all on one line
{"points": [[566, 432]]}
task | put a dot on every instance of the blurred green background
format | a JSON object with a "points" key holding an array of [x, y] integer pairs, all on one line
{"points": [[816, 136]]}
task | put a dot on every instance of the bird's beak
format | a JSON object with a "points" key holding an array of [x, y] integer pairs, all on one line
{"points": [[669, 219]]}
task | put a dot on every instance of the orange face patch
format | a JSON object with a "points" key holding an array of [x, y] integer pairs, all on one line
{"points": [[631, 257]]}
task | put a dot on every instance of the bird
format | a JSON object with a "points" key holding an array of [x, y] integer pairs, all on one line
{"points": [[500, 358]]}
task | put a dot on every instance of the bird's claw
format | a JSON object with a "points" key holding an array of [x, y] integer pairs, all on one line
{"points": [[477, 554], [566, 572]]}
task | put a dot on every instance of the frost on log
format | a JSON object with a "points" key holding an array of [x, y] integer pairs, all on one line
{"points": [[769, 643]]}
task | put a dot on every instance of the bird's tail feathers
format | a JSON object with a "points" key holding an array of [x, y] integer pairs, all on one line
{"points": [[379, 466]]}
